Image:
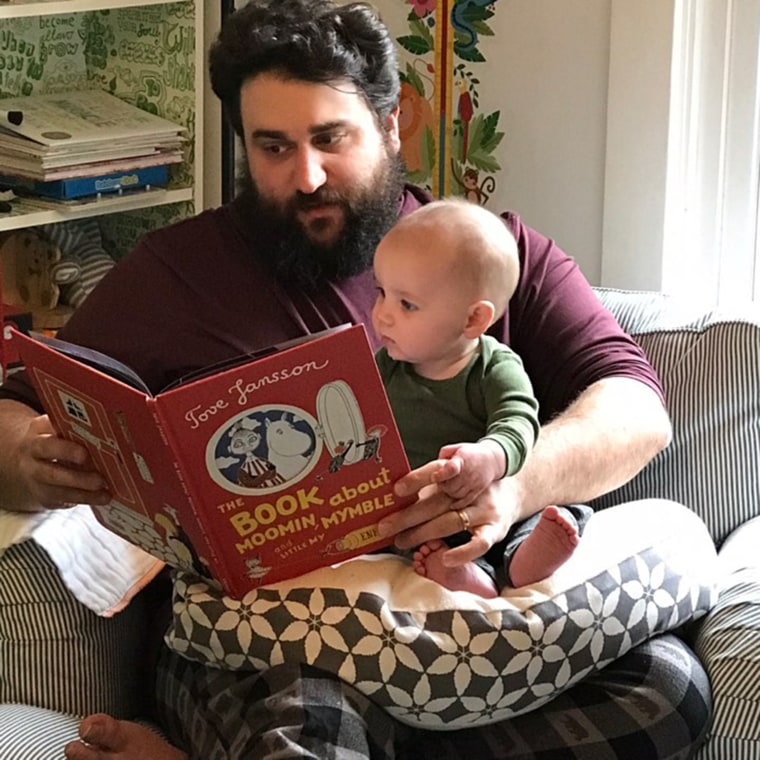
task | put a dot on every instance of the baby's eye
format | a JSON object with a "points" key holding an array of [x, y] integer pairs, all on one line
{"points": [[407, 305]]}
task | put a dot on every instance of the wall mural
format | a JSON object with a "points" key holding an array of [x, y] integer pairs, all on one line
{"points": [[449, 137]]}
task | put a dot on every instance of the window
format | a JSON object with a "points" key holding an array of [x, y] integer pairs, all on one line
{"points": [[683, 157]]}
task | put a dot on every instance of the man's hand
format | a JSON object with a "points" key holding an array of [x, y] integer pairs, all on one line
{"points": [[436, 515], [45, 471]]}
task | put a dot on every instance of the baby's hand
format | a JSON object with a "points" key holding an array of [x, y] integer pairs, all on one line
{"points": [[469, 469]]}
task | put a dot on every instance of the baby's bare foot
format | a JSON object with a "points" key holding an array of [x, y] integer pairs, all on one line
{"points": [[105, 738], [428, 562], [550, 545]]}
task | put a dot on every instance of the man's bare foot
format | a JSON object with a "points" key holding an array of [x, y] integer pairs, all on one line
{"points": [[550, 545], [105, 738], [428, 562]]}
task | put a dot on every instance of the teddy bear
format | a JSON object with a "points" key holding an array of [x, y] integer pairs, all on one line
{"points": [[50, 269]]}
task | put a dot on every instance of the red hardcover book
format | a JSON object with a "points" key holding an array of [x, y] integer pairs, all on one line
{"points": [[250, 475]]}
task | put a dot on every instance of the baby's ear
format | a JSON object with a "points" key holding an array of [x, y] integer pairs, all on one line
{"points": [[479, 318]]}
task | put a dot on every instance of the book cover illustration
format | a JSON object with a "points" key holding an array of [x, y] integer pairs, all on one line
{"points": [[253, 474]]}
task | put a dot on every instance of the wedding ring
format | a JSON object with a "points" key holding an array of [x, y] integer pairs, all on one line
{"points": [[464, 517]]}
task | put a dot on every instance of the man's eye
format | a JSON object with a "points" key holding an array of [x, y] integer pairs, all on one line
{"points": [[272, 149], [328, 139]]}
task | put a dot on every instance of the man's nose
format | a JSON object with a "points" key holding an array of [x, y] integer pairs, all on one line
{"points": [[309, 172]]}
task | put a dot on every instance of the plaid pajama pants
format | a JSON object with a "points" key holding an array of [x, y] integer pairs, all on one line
{"points": [[651, 704]]}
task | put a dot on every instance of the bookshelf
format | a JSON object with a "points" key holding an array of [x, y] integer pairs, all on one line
{"points": [[147, 52], [21, 8]]}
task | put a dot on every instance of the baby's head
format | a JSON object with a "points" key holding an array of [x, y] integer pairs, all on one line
{"points": [[450, 267]]}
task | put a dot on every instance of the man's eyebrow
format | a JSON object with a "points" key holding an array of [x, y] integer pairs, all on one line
{"points": [[268, 134], [328, 126], [317, 129]]}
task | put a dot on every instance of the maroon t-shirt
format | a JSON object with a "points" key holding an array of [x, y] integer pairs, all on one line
{"points": [[195, 293]]}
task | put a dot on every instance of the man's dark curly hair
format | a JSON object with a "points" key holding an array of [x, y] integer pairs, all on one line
{"points": [[312, 40]]}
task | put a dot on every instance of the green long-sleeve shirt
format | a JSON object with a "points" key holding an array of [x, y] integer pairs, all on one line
{"points": [[492, 397]]}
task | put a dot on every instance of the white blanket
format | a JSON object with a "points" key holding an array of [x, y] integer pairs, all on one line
{"points": [[102, 570]]}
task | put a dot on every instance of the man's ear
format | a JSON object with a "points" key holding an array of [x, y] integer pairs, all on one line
{"points": [[479, 318], [391, 127]]}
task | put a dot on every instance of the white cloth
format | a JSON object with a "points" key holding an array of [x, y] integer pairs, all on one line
{"points": [[101, 569]]}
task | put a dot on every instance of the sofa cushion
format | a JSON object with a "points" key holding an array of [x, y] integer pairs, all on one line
{"points": [[55, 653], [33, 733], [444, 660], [708, 362]]}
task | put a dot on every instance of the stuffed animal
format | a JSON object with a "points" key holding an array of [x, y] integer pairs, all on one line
{"points": [[29, 261], [83, 262]]}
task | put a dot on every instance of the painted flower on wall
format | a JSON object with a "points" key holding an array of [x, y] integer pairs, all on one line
{"points": [[422, 7], [449, 142]]}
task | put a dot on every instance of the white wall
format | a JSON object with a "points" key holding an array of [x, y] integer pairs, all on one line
{"points": [[682, 186], [638, 141], [552, 72]]}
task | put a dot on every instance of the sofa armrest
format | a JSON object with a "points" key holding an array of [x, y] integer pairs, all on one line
{"points": [[34, 733], [728, 643], [738, 557]]}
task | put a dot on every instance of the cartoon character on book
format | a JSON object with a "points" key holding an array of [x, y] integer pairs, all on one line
{"points": [[274, 445], [254, 471], [162, 535], [256, 571], [178, 542], [290, 446], [267, 447], [342, 427], [343, 449]]}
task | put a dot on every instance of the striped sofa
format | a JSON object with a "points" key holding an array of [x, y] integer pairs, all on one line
{"points": [[709, 365]]}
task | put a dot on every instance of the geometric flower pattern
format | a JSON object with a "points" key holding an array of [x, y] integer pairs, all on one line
{"points": [[440, 669]]}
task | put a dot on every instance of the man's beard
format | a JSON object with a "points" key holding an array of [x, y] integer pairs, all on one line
{"points": [[368, 213]]}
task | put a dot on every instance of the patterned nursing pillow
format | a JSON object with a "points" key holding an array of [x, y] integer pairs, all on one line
{"points": [[445, 660]]}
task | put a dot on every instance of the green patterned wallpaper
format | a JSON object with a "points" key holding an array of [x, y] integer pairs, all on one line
{"points": [[144, 55]]}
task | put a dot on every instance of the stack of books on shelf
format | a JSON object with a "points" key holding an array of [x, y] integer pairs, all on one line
{"points": [[74, 144]]}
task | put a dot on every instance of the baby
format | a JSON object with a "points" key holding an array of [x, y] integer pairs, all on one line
{"points": [[445, 274]]}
